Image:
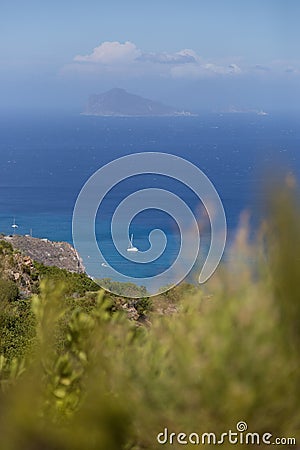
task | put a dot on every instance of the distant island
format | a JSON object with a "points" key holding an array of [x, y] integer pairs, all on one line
{"points": [[234, 110], [120, 103]]}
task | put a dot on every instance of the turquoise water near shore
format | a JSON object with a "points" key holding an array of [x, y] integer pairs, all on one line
{"points": [[45, 160]]}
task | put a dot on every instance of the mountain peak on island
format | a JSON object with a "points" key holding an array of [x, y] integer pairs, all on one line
{"points": [[118, 102]]}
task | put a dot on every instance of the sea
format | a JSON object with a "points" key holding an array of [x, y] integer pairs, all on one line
{"points": [[47, 158]]}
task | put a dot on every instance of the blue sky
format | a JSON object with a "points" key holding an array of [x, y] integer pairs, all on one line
{"points": [[204, 54]]}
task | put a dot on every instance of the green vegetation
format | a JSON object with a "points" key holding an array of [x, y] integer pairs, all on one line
{"points": [[124, 289], [5, 248], [92, 379], [144, 306], [8, 291], [74, 283], [17, 329]]}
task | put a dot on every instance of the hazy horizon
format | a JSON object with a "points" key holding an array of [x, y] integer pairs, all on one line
{"points": [[201, 55]]}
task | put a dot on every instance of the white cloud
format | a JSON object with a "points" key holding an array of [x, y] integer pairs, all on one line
{"points": [[277, 68], [286, 66], [234, 68], [291, 70], [113, 58], [202, 70], [182, 57], [261, 68], [127, 59], [111, 53]]}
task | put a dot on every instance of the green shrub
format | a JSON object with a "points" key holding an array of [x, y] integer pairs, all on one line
{"points": [[17, 329], [143, 305], [123, 289], [75, 283], [9, 291], [5, 247]]}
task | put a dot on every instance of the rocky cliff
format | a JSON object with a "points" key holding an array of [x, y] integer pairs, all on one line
{"points": [[59, 254]]}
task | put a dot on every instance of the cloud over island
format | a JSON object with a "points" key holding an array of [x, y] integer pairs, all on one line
{"points": [[111, 53], [114, 60], [114, 56]]}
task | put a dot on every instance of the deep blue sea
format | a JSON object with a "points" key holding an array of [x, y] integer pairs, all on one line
{"points": [[47, 158]]}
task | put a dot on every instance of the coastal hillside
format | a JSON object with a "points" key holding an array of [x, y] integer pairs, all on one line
{"points": [[22, 279], [25, 262], [75, 373], [49, 253]]}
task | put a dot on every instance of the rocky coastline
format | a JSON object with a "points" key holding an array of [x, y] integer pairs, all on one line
{"points": [[49, 253]]}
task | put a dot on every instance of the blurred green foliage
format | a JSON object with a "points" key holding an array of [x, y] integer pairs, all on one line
{"points": [[143, 305], [230, 352], [8, 291], [17, 329]]}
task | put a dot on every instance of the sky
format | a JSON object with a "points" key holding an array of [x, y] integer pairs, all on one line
{"points": [[213, 55]]}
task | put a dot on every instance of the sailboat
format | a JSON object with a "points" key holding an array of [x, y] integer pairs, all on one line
{"points": [[14, 225], [131, 247]]}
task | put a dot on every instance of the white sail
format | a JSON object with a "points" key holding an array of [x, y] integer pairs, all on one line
{"points": [[14, 225], [131, 247]]}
